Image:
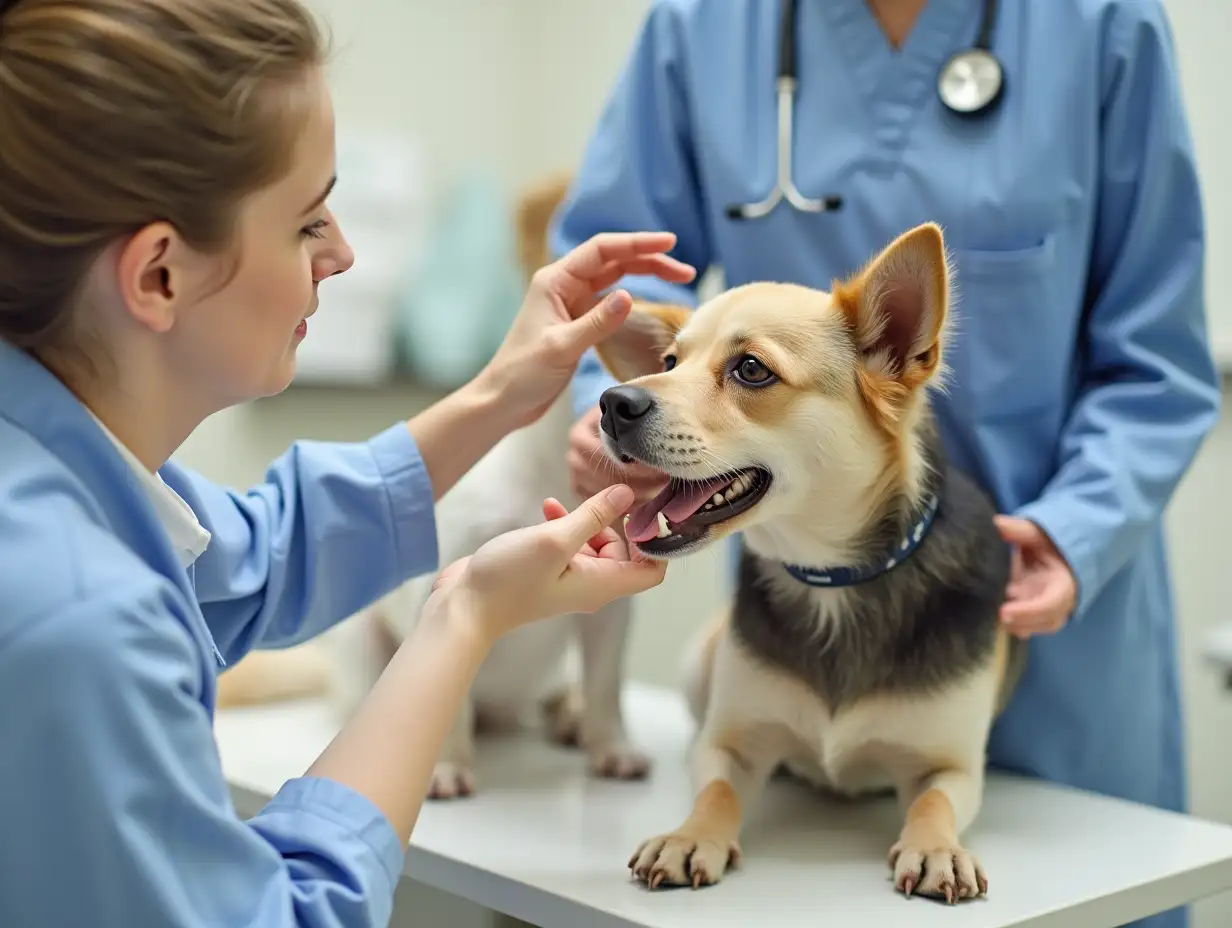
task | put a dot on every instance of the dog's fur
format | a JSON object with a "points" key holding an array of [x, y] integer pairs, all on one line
{"points": [[890, 684]]}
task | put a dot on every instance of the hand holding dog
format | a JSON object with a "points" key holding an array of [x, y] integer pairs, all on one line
{"points": [[572, 562], [1042, 591], [563, 315], [591, 470]]}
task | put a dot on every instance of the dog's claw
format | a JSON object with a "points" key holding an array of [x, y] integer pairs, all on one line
{"points": [[677, 860], [943, 873], [619, 761]]}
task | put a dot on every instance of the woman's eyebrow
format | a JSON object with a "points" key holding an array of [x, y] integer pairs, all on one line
{"points": [[324, 193]]}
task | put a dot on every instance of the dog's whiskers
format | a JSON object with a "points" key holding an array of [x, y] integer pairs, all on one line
{"points": [[714, 460]]}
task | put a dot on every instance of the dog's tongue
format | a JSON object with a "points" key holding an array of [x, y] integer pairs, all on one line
{"points": [[677, 502]]}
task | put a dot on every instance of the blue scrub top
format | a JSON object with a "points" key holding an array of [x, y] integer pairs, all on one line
{"points": [[113, 806], [1082, 383]]}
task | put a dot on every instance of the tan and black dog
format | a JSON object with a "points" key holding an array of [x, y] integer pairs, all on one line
{"points": [[863, 650]]}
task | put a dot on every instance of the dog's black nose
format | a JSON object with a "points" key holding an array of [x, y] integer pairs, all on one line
{"points": [[621, 407]]}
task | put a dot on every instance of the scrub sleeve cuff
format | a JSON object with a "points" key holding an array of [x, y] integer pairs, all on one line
{"points": [[1074, 547], [409, 492], [316, 816]]}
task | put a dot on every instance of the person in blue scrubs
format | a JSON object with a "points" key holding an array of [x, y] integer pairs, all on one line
{"points": [[1082, 383], [164, 169]]}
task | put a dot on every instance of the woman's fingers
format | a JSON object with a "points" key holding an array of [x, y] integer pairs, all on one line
{"points": [[598, 545], [662, 266], [609, 546], [1041, 611], [589, 328], [603, 580], [590, 258], [594, 515], [553, 509], [604, 259], [1020, 532]]}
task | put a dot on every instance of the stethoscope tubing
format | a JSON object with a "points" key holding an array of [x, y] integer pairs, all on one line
{"points": [[786, 85]]}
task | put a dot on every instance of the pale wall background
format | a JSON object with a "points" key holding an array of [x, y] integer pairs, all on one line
{"points": [[515, 86]]}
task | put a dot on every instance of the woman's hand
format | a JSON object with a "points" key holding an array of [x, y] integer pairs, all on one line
{"points": [[591, 470], [573, 562], [1042, 591], [560, 320]]}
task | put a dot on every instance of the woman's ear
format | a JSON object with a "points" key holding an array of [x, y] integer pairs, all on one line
{"points": [[637, 347], [150, 276]]}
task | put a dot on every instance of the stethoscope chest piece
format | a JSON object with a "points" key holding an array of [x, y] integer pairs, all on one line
{"points": [[971, 81]]}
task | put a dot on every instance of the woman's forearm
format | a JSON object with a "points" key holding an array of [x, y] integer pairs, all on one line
{"points": [[389, 748], [456, 432]]}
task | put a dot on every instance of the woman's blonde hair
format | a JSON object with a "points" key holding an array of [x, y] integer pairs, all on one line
{"points": [[118, 113]]}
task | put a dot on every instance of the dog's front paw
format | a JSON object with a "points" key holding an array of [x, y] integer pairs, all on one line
{"points": [[451, 780], [941, 871], [618, 761], [683, 860]]}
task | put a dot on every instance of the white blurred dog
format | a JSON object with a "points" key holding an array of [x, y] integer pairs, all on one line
{"points": [[530, 668]]}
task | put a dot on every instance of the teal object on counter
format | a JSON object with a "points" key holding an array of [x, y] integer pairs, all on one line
{"points": [[465, 293]]}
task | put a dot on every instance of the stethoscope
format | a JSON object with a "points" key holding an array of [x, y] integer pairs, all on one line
{"points": [[970, 83]]}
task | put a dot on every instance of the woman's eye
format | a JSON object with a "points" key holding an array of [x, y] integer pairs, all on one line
{"points": [[669, 362], [315, 230], [751, 371]]}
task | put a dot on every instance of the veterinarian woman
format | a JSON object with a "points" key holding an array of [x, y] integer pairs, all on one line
{"points": [[164, 167], [1081, 382]]}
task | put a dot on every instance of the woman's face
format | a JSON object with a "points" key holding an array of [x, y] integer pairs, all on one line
{"points": [[239, 342]]}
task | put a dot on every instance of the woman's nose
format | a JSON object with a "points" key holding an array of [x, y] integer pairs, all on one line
{"points": [[336, 257]]}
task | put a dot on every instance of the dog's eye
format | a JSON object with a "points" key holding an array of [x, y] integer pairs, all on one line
{"points": [[669, 361], [751, 371]]}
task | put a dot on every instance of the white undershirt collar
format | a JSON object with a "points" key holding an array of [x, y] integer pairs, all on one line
{"points": [[188, 536]]}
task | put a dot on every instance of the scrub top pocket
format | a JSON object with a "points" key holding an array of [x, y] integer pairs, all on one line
{"points": [[1010, 344]]}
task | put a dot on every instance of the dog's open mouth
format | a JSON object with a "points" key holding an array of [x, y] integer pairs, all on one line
{"points": [[681, 515]]}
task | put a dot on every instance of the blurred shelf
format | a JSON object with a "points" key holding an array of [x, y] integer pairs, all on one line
{"points": [[400, 383], [342, 409]]}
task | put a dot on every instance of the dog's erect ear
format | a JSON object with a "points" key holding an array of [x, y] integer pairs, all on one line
{"points": [[897, 305], [637, 347]]}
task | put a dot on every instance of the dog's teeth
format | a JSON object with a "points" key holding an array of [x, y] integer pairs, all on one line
{"points": [[664, 531], [717, 499]]}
